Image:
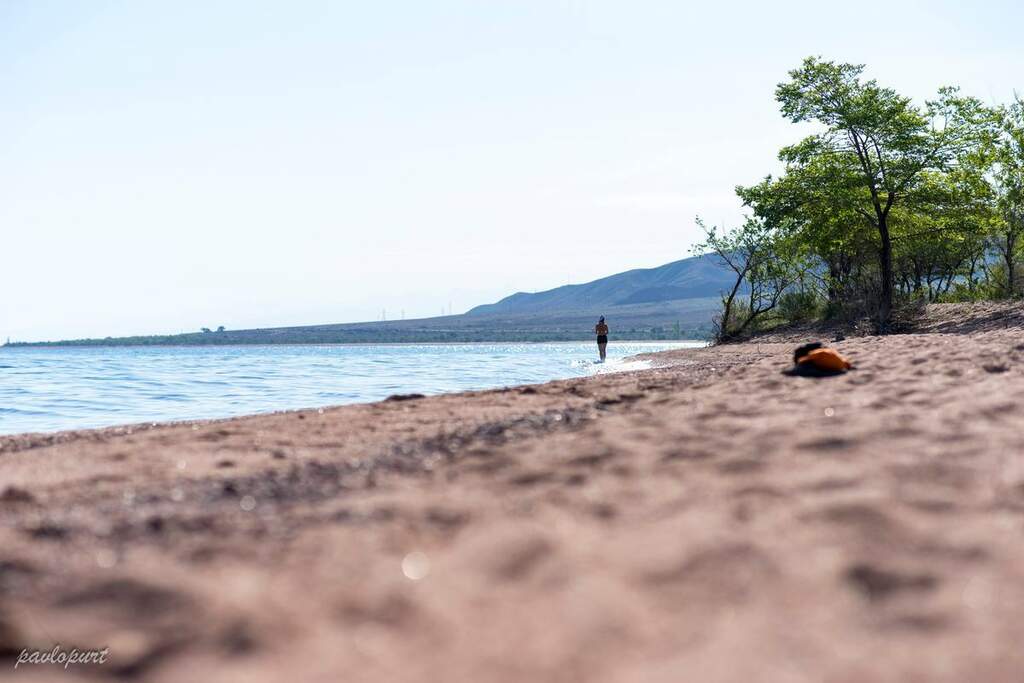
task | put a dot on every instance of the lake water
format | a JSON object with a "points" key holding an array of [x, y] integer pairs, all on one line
{"points": [[45, 389]]}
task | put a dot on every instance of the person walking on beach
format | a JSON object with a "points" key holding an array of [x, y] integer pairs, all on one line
{"points": [[601, 330]]}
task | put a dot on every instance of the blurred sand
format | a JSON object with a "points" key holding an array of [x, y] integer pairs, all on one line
{"points": [[709, 520]]}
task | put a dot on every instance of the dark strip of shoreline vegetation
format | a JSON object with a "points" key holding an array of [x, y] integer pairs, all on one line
{"points": [[369, 336]]}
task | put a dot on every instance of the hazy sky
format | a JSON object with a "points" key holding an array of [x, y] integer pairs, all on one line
{"points": [[171, 165]]}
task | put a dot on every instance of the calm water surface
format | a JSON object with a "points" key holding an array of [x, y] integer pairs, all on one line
{"points": [[44, 389]]}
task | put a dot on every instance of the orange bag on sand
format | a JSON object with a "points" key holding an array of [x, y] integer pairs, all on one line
{"points": [[828, 360]]}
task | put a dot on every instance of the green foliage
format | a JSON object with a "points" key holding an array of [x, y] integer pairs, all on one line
{"points": [[800, 306], [890, 201], [1006, 180], [763, 272]]}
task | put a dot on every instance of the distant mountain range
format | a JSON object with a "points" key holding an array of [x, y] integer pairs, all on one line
{"points": [[691, 278], [673, 301]]}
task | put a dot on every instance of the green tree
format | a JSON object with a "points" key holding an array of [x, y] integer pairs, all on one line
{"points": [[1008, 187], [875, 152], [813, 224], [762, 273]]}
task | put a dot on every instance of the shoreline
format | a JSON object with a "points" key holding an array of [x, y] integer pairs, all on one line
{"points": [[655, 521], [146, 423], [129, 428]]}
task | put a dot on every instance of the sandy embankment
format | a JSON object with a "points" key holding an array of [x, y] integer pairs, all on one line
{"points": [[712, 520]]}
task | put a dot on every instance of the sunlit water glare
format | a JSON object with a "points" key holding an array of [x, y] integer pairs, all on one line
{"points": [[45, 389]]}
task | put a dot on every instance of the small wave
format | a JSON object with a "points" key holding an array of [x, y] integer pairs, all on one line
{"points": [[621, 366], [82, 388], [18, 411]]}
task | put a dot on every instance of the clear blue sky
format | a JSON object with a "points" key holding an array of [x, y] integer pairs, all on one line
{"points": [[171, 165]]}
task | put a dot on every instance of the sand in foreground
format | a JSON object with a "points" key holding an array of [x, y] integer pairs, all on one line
{"points": [[710, 520]]}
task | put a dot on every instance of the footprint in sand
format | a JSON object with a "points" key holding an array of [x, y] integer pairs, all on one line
{"points": [[877, 584], [726, 573], [511, 554], [741, 466], [128, 597], [864, 521], [591, 459], [831, 443], [48, 531], [394, 610], [675, 454], [13, 495], [829, 484], [447, 519], [532, 478]]}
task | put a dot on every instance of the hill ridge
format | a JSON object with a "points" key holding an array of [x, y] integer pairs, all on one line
{"points": [[689, 278]]}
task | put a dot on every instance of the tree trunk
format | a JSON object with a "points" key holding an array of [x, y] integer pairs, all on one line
{"points": [[833, 287], [724, 333], [885, 263], [1010, 275]]}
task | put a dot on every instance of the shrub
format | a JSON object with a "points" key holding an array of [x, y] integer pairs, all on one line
{"points": [[800, 306]]}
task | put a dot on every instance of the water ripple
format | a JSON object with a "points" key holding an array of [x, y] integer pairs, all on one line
{"points": [[44, 389]]}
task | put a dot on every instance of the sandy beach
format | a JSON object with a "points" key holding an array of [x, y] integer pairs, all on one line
{"points": [[709, 519]]}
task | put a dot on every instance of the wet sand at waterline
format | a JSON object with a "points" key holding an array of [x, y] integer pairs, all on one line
{"points": [[707, 520]]}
